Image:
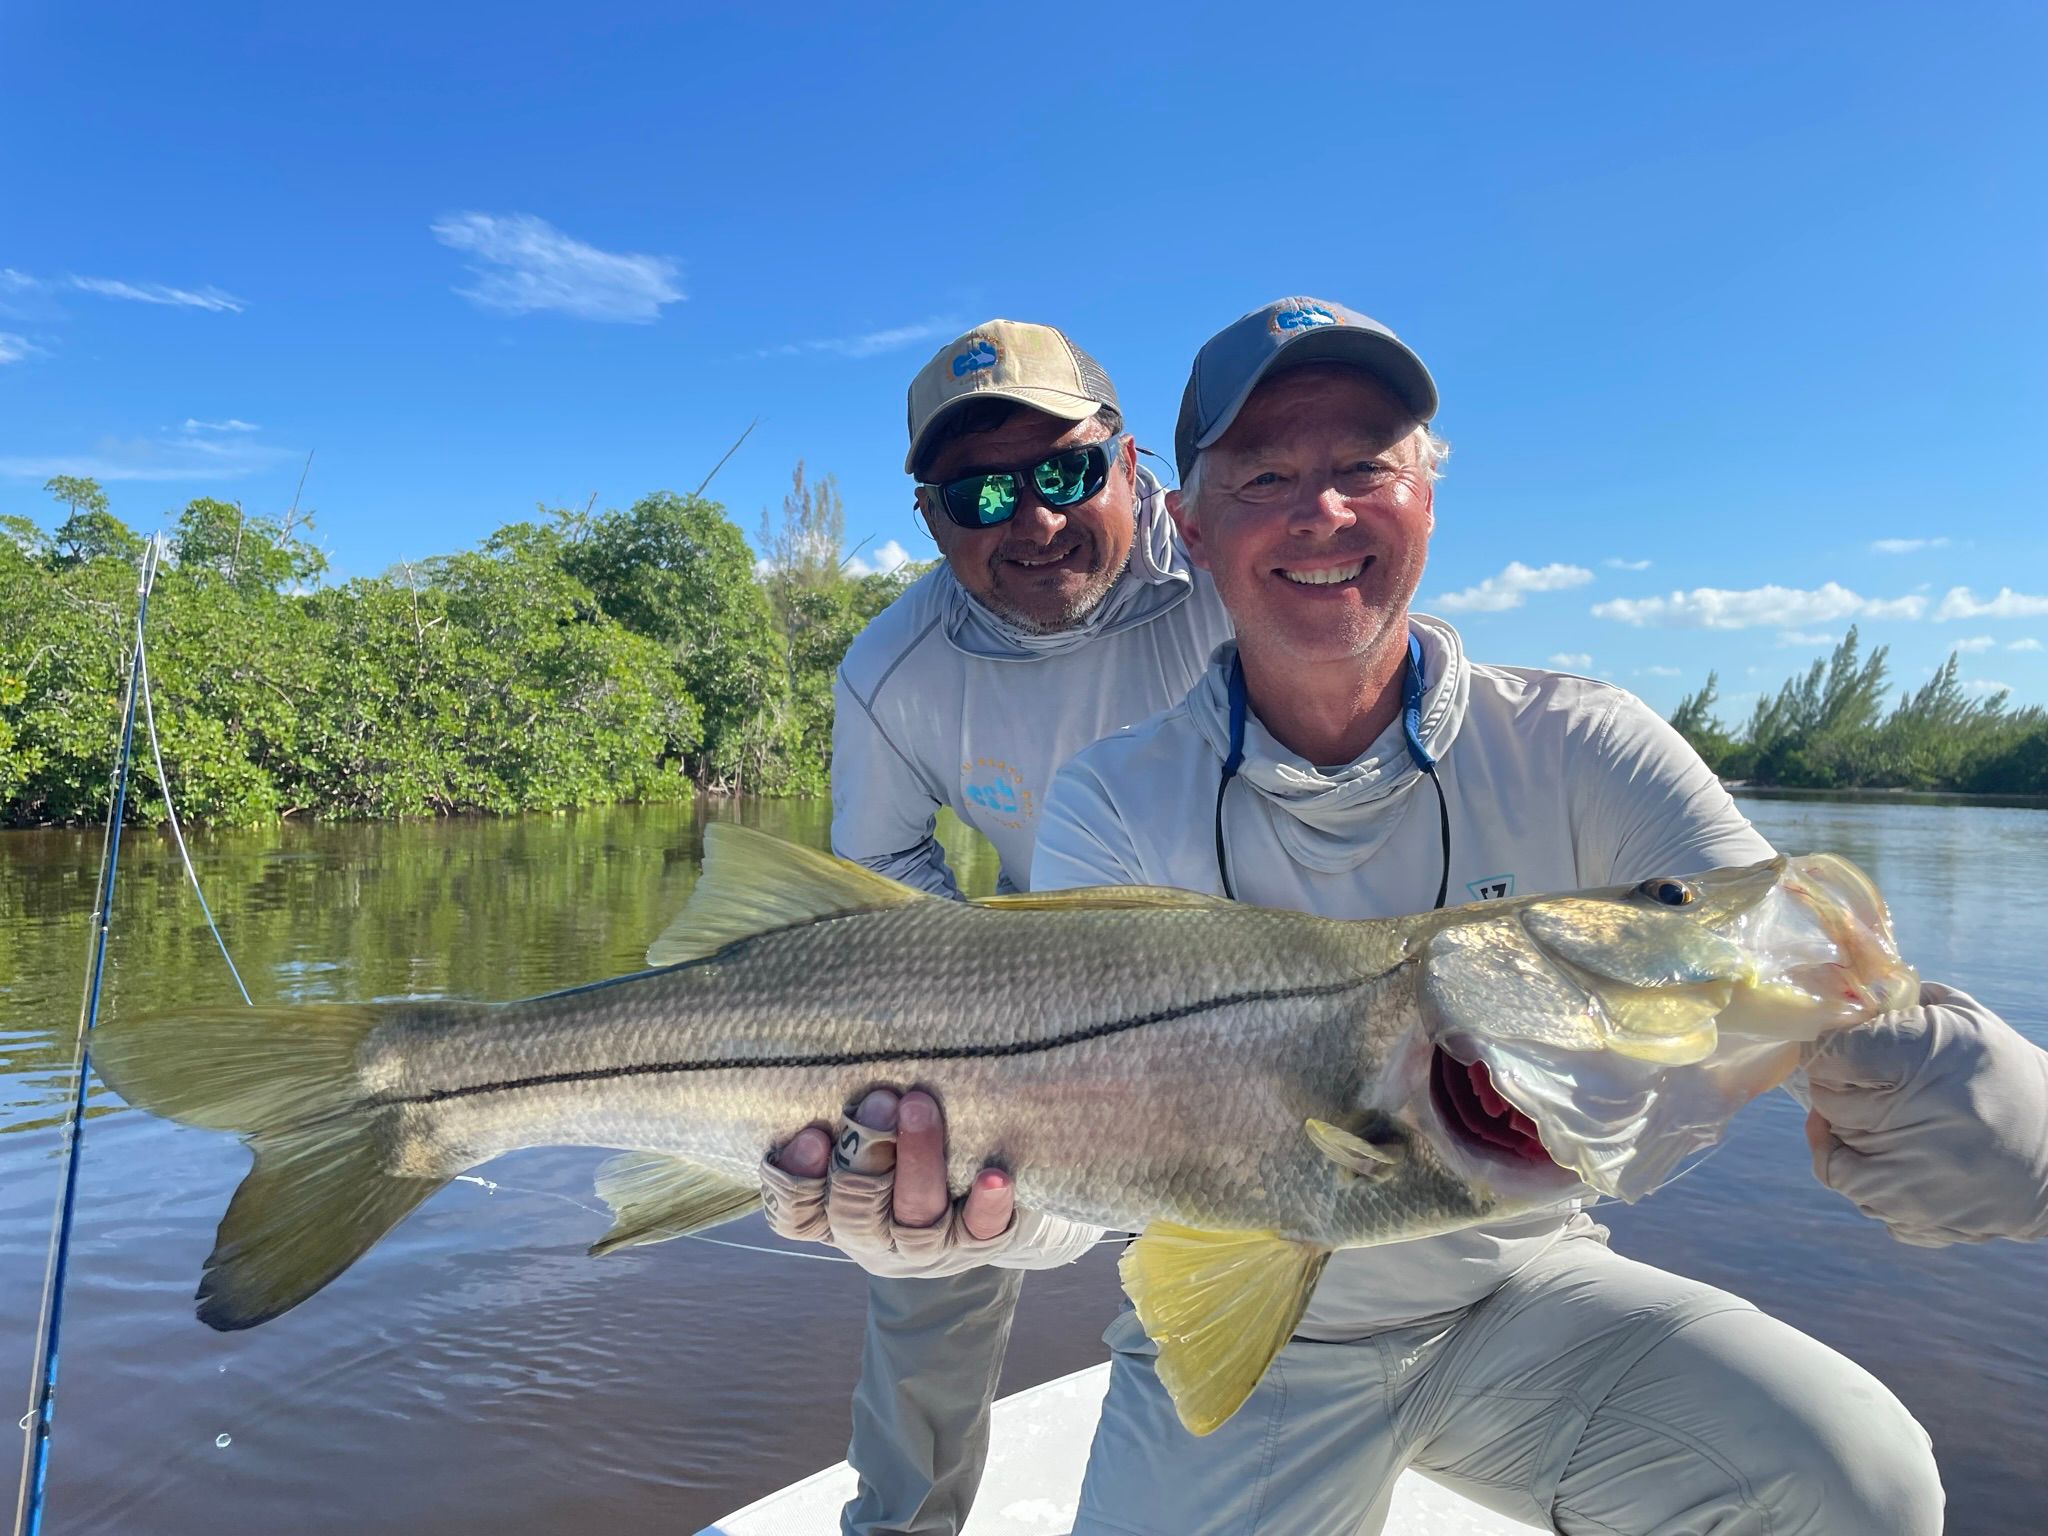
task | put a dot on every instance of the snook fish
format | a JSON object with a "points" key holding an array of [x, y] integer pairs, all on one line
{"points": [[1250, 1088]]}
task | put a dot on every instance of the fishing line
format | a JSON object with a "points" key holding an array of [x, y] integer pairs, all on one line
{"points": [[163, 783], [35, 1460]]}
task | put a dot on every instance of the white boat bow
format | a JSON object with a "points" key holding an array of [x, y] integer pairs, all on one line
{"points": [[1038, 1445]]}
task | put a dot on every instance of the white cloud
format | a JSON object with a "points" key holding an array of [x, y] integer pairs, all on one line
{"points": [[232, 424], [1660, 671], [527, 264], [14, 348], [1803, 637], [1905, 546], [1961, 603], [160, 293], [1615, 562], [2028, 644], [1986, 685], [24, 297], [1975, 643], [868, 345], [887, 558], [183, 455], [1572, 661], [1718, 608], [1499, 593]]}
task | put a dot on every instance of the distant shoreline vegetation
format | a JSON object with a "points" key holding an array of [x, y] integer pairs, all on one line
{"points": [[573, 660], [1829, 730], [636, 655]]}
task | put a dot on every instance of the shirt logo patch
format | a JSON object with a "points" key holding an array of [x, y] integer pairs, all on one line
{"points": [[982, 354], [996, 792], [1491, 887], [1304, 318]]}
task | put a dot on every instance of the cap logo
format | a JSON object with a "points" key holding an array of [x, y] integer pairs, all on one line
{"points": [[1301, 318], [982, 354]]}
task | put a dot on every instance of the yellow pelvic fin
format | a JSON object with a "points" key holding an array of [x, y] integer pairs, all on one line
{"points": [[1100, 897], [1353, 1153], [1219, 1305], [753, 883], [654, 1198]]}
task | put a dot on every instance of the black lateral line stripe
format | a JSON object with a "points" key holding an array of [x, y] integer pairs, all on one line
{"points": [[859, 1058]]}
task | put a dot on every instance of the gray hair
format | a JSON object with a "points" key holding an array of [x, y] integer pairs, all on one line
{"points": [[1432, 450]]}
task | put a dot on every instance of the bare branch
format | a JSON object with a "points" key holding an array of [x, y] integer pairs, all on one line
{"points": [[735, 448]]}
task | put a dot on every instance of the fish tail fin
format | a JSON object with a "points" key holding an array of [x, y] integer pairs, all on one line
{"points": [[287, 1080]]}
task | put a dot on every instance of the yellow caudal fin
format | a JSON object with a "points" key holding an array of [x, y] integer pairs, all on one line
{"points": [[654, 1198], [753, 883], [1219, 1305], [321, 1190]]}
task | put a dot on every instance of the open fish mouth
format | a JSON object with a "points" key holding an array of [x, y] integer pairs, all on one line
{"points": [[1616, 1034], [1470, 1107]]}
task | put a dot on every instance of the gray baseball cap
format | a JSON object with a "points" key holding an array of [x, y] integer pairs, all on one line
{"points": [[1285, 333]]}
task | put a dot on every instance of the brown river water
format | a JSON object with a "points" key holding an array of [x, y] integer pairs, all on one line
{"points": [[477, 1373]]}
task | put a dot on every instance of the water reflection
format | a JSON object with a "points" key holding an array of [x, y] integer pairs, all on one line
{"points": [[477, 1372]]}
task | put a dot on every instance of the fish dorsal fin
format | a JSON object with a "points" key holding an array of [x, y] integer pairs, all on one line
{"points": [[1219, 1305], [654, 1198], [753, 883], [1113, 898]]}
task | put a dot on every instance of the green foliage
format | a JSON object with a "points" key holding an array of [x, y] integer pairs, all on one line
{"points": [[574, 660], [1828, 730], [218, 538], [91, 532], [672, 568]]}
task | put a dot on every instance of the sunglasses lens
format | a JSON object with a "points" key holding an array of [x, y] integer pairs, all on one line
{"points": [[981, 501], [1073, 477]]}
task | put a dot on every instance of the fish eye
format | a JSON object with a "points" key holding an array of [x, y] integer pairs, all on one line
{"points": [[1668, 892]]}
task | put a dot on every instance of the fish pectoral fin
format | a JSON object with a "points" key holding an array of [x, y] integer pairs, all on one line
{"points": [[1219, 1305], [753, 883], [1351, 1152], [654, 1198], [1118, 898]]}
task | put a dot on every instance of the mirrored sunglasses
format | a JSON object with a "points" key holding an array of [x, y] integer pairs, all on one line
{"points": [[990, 497]]}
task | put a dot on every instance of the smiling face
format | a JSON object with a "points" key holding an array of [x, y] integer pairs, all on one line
{"points": [[1048, 567], [1313, 513]]}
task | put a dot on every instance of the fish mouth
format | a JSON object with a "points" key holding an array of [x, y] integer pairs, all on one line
{"points": [[1467, 1102], [1497, 1142]]}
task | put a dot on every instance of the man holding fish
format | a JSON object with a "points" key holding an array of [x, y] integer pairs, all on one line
{"points": [[1520, 1361], [1349, 1118]]}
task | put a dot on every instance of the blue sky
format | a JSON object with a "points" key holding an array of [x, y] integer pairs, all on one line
{"points": [[1738, 312]]}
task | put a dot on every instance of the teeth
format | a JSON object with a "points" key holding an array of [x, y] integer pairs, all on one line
{"points": [[1043, 560], [1328, 578]]}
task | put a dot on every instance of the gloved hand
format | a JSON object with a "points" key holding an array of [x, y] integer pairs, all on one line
{"points": [[879, 1194], [1934, 1121]]}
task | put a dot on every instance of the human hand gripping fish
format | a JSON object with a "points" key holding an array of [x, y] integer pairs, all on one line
{"points": [[1250, 1089], [878, 1191]]}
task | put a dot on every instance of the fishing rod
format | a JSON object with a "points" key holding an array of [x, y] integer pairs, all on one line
{"points": [[35, 1459]]}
